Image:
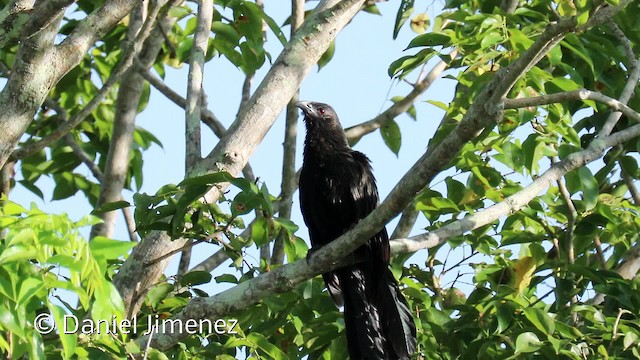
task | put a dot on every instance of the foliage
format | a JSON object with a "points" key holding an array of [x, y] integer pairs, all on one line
{"points": [[41, 257], [525, 284]]}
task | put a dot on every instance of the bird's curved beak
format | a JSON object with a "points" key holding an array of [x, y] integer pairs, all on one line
{"points": [[306, 107]]}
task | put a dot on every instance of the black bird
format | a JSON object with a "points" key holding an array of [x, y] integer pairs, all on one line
{"points": [[337, 189]]}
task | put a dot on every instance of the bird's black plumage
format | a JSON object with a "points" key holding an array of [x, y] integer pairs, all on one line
{"points": [[337, 189]]}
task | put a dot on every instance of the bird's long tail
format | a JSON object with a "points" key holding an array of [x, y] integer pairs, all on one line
{"points": [[378, 321], [397, 321]]}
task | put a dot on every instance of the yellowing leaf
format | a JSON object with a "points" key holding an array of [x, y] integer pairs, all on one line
{"points": [[420, 23], [524, 269], [567, 8]]}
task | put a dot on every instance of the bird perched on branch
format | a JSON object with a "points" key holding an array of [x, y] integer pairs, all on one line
{"points": [[337, 189]]}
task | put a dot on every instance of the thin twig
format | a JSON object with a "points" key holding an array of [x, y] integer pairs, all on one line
{"points": [[356, 132]]}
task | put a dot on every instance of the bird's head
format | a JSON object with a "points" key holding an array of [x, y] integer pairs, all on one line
{"points": [[315, 112]]}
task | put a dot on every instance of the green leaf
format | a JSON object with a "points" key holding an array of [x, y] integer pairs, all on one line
{"points": [[540, 319], [244, 203], [589, 187], [228, 278], [527, 342], [372, 9], [404, 12], [9, 321], [158, 293], [179, 12], [17, 253], [69, 340], [260, 231], [116, 205], [504, 315], [490, 39], [430, 39], [195, 278], [327, 55], [103, 247], [295, 248], [65, 186], [560, 84], [438, 104], [630, 339], [629, 165], [11, 208], [29, 287], [31, 187], [406, 64], [274, 27], [289, 225], [66, 261], [391, 135], [263, 344]]}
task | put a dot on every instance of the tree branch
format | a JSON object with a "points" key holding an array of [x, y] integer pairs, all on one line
{"points": [[518, 200], [355, 133], [193, 152], [289, 182], [406, 223], [625, 96], [118, 72], [235, 148], [572, 216], [582, 94], [194, 87], [206, 116], [26, 88], [22, 20], [485, 111], [128, 98]]}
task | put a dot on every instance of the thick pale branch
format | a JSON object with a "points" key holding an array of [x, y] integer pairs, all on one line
{"points": [[29, 82], [92, 28], [22, 21]]}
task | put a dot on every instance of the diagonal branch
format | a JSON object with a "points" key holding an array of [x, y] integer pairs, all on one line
{"points": [[206, 116], [355, 133]]}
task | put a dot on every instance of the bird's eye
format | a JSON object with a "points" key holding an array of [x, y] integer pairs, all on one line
{"points": [[321, 111]]}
